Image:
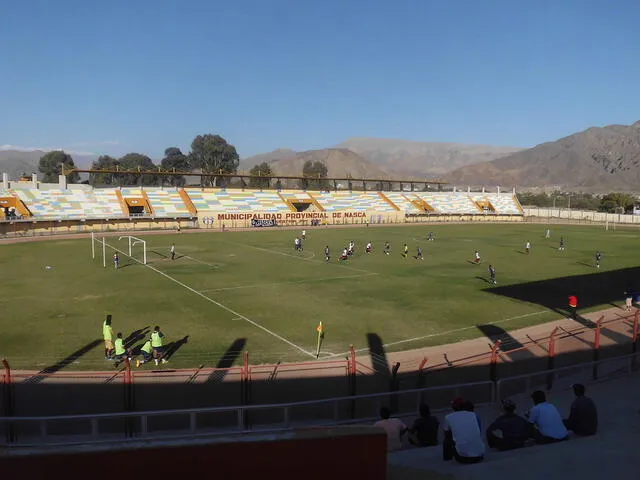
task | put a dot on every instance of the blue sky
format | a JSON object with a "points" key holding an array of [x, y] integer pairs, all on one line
{"points": [[143, 75]]}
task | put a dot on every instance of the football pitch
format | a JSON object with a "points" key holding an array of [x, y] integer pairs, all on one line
{"points": [[250, 290]]}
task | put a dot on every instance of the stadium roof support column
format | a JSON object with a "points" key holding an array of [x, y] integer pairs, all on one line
{"points": [[482, 189], [468, 189], [34, 180], [498, 188], [62, 181], [5, 181]]}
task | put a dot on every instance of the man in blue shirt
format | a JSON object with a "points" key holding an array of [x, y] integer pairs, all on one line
{"points": [[546, 418]]}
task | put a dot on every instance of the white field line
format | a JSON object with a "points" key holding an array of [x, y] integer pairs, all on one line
{"points": [[224, 307], [293, 282], [308, 259], [200, 261], [439, 334]]}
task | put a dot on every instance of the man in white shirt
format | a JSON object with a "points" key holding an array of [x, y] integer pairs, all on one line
{"points": [[547, 420], [394, 427], [463, 438]]}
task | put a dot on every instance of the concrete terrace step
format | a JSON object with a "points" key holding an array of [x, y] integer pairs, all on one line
{"points": [[611, 453]]}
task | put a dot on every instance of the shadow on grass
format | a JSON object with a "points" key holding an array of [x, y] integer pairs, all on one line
{"points": [[378, 355], [42, 374], [134, 337], [173, 347], [593, 290], [227, 360]]}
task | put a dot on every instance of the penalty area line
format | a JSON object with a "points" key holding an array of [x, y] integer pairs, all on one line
{"points": [[224, 307], [457, 330]]}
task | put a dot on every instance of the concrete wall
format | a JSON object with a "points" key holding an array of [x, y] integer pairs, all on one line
{"points": [[581, 215], [329, 453]]}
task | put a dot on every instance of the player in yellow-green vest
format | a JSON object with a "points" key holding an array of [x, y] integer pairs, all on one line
{"points": [[120, 349], [147, 353], [107, 334], [156, 344]]}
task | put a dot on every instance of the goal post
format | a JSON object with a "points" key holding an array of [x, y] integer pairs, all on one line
{"points": [[131, 251], [133, 241]]}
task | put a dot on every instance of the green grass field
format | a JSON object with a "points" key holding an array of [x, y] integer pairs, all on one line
{"points": [[251, 290]]}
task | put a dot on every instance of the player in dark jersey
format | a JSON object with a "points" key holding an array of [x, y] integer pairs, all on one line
{"points": [[492, 275]]}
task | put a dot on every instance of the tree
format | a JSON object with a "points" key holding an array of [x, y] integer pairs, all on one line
{"points": [[51, 163], [315, 173], [212, 154], [137, 162], [105, 162], [262, 169], [613, 202], [174, 159]]}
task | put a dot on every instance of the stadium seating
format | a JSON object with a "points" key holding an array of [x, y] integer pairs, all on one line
{"points": [[237, 201], [504, 203], [166, 202], [84, 203], [401, 200], [580, 457], [71, 204], [355, 201], [453, 203]]}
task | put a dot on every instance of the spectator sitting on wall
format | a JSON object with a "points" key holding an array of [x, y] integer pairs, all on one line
{"points": [[424, 432], [583, 416], [394, 428], [509, 430], [462, 437], [547, 420]]}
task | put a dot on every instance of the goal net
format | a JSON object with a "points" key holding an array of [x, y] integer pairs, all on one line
{"points": [[133, 247]]}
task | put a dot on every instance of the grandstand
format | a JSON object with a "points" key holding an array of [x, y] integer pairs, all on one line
{"points": [[353, 201], [224, 200], [57, 203], [67, 204]]}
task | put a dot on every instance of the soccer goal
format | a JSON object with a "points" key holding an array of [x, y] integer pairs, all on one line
{"points": [[136, 248]]}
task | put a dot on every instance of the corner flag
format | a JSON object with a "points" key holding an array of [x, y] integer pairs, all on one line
{"points": [[320, 330]]}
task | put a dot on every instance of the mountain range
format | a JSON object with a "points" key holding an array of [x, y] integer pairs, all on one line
{"points": [[599, 159]]}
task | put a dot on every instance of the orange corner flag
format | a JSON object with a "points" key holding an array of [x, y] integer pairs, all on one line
{"points": [[320, 330]]}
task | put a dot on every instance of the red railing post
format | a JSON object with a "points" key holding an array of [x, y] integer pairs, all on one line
{"points": [[493, 367], [351, 384], [8, 399], [245, 387], [634, 343], [551, 362], [422, 378], [129, 398], [596, 346]]}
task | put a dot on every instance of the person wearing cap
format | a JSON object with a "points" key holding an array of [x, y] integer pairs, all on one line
{"points": [[573, 306], [462, 435], [583, 416], [546, 418], [509, 431]]}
